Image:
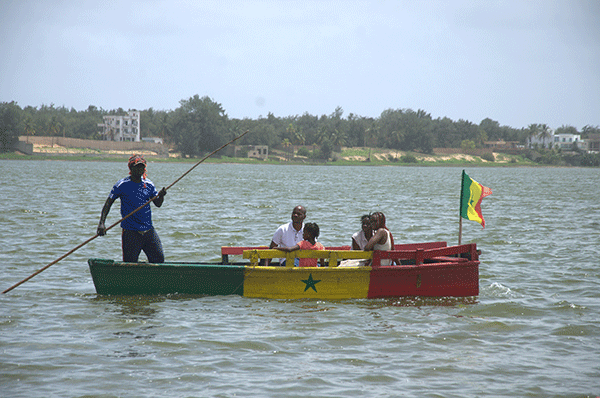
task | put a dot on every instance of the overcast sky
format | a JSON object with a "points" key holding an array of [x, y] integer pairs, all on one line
{"points": [[517, 62]]}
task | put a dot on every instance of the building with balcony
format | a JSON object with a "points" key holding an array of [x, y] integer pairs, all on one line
{"points": [[121, 128], [567, 141]]}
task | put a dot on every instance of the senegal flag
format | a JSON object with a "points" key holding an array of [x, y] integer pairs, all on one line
{"points": [[471, 193]]}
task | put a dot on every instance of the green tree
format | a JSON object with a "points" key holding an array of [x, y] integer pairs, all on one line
{"points": [[492, 129], [533, 131], [55, 127], [445, 134], [199, 125], [10, 125], [326, 148], [287, 146], [392, 128], [545, 133], [467, 145], [29, 125], [588, 129], [356, 129], [565, 129]]}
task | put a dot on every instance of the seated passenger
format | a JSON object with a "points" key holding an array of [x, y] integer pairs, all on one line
{"points": [[360, 238], [310, 235], [287, 235], [382, 238]]}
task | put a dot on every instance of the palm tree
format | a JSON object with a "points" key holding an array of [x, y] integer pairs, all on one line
{"points": [[534, 131], [299, 137], [545, 132], [55, 126], [29, 127], [338, 138], [286, 143]]}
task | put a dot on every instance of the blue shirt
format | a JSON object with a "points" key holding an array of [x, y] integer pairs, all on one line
{"points": [[133, 195]]}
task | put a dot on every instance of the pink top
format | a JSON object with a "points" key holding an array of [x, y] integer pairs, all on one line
{"points": [[306, 245]]}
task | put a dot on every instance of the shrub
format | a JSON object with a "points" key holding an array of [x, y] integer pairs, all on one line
{"points": [[303, 152], [488, 156], [317, 154], [408, 159]]}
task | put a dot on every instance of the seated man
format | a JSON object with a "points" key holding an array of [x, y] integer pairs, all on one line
{"points": [[288, 235]]}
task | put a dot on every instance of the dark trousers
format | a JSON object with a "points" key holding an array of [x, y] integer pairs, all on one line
{"points": [[133, 242]]}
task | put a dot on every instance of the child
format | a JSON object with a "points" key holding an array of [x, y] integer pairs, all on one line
{"points": [[310, 235]]}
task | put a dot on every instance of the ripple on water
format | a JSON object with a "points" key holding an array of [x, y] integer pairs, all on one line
{"points": [[538, 279]]}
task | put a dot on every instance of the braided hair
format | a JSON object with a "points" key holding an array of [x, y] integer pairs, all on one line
{"points": [[379, 218]]}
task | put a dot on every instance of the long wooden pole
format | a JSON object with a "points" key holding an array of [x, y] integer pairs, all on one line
{"points": [[133, 212]]}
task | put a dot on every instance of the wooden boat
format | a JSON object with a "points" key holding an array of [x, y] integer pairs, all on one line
{"points": [[430, 269]]}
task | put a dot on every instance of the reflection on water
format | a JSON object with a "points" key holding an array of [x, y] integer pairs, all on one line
{"points": [[138, 307]]}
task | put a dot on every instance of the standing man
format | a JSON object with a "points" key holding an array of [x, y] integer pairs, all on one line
{"points": [[138, 233], [288, 235]]}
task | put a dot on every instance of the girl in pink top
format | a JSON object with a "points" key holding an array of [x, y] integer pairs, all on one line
{"points": [[310, 235]]}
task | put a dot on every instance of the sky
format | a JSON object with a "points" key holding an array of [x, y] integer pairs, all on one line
{"points": [[517, 62]]}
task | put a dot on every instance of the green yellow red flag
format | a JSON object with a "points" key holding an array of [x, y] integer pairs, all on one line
{"points": [[471, 194]]}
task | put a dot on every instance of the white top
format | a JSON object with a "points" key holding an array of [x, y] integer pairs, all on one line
{"points": [[385, 246], [360, 238], [287, 236]]}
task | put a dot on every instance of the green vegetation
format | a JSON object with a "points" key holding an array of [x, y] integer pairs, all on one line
{"points": [[408, 159], [489, 157], [200, 125]]}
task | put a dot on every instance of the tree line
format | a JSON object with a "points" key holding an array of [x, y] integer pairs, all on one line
{"points": [[200, 124]]}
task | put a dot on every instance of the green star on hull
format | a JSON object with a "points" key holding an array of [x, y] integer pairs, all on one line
{"points": [[310, 283]]}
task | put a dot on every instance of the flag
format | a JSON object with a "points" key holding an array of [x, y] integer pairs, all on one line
{"points": [[471, 194]]}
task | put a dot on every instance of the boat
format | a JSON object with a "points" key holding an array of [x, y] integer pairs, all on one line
{"points": [[431, 269]]}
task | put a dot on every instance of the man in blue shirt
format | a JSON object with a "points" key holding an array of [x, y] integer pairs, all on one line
{"points": [[138, 231]]}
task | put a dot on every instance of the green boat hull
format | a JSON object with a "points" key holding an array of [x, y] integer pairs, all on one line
{"points": [[113, 277]]}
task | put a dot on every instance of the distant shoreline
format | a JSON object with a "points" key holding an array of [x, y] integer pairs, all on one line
{"points": [[432, 160]]}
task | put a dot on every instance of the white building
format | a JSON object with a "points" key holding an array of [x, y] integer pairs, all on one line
{"points": [[121, 128], [566, 141], [543, 141], [254, 151]]}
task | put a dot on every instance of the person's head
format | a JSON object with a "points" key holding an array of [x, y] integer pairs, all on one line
{"points": [[377, 220], [298, 215], [311, 231], [365, 222], [137, 166]]}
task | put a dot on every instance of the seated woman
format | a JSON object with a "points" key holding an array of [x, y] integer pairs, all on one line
{"points": [[360, 238], [382, 238]]}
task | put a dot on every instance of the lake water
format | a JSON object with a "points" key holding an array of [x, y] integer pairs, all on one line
{"points": [[534, 330]]}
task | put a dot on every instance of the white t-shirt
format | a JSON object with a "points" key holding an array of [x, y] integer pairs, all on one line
{"points": [[287, 236], [360, 238]]}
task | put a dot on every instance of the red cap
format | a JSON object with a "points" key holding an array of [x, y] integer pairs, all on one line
{"points": [[135, 160]]}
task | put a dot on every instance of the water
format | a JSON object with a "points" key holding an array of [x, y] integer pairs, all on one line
{"points": [[532, 332]]}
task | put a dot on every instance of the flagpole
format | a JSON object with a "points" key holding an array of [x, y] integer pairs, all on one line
{"points": [[459, 229], [462, 187]]}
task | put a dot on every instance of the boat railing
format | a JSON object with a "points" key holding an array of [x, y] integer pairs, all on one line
{"points": [[227, 251], [417, 256], [333, 256]]}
